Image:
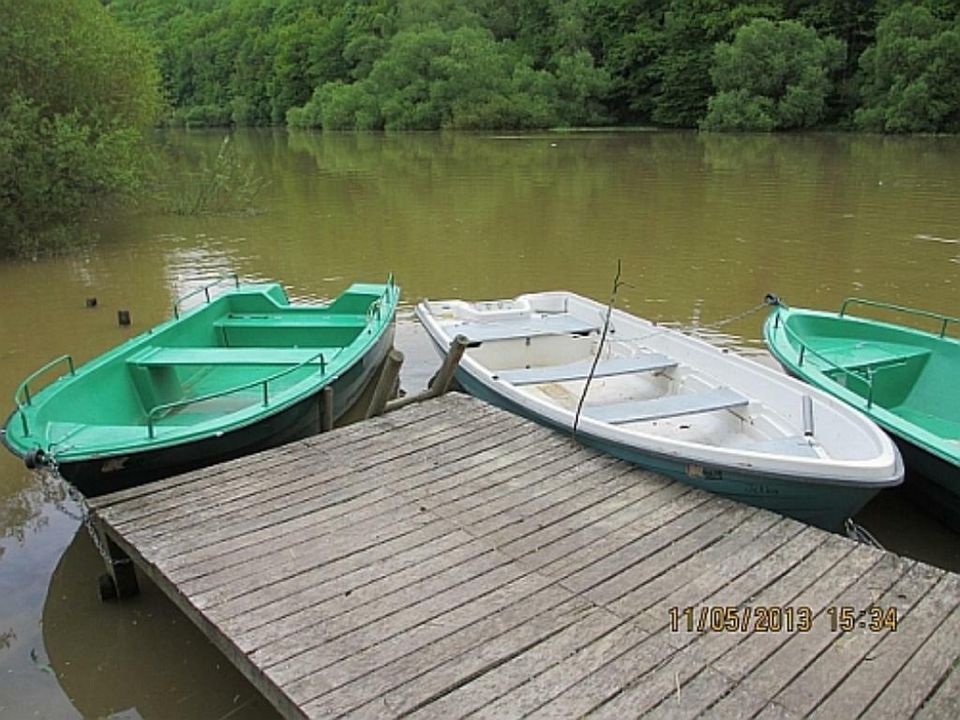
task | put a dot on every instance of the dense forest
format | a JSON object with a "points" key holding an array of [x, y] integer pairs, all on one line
{"points": [[881, 65]]}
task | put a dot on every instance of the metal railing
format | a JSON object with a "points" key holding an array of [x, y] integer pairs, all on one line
{"points": [[944, 320], [265, 383], [178, 303], [804, 350], [23, 389]]}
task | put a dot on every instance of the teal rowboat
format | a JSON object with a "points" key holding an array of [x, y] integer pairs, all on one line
{"points": [[241, 372], [905, 379]]}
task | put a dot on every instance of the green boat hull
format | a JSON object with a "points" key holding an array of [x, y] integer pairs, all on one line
{"points": [[902, 378], [242, 373]]}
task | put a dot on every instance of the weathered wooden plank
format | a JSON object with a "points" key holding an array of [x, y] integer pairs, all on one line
{"points": [[778, 669], [349, 552], [944, 702], [357, 654], [348, 611], [714, 563], [650, 514], [776, 571], [313, 473], [864, 683], [615, 673], [848, 650], [687, 699], [656, 552], [383, 565], [368, 498], [182, 486], [567, 534], [417, 681], [777, 583], [530, 476], [292, 658], [737, 543], [264, 623], [272, 520], [926, 670], [589, 643]]}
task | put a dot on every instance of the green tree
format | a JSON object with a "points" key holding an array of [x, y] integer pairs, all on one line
{"points": [[911, 77], [772, 76], [76, 92]]}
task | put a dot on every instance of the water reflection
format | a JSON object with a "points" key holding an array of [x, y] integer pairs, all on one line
{"points": [[93, 647]]}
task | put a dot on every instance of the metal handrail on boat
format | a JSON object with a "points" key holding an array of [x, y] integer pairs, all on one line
{"points": [[944, 319], [24, 388], [205, 290], [375, 308], [166, 407], [804, 349]]}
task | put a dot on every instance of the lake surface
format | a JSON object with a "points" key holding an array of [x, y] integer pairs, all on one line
{"points": [[704, 226]]}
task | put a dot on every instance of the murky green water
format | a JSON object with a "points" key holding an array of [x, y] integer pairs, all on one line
{"points": [[704, 226]]}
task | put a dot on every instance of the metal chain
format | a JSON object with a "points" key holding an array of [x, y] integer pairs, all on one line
{"points": [[85, 518], [733, 318]]}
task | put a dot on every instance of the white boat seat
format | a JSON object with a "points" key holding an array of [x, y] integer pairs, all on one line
{"points": [[581, 370], [161, 356], [792, 445], [667, 406], [559, 324]]}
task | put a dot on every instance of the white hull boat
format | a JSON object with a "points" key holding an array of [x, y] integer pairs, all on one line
{"points": [[670, 403]]}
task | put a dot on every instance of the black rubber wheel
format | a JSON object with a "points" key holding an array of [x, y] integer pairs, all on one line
{"points": [[106, 588], [35, 458]]}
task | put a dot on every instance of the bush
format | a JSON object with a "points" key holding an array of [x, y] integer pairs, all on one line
{"points": [[911, 77], [772, 76], [76, 90]]}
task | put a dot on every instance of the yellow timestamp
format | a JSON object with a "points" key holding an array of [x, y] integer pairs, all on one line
{"points": [[780, 618]]}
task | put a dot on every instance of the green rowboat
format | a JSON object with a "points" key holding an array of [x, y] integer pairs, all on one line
{"points": [[240, 372], [904, 378]]}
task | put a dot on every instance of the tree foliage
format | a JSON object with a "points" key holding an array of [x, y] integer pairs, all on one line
{"points": [[76, 91], [417, 64], [773, 76], [911, 77]]}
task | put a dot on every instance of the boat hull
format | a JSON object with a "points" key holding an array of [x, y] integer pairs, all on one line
{"points": [[826, 506], [112, 472], [933, 479]]}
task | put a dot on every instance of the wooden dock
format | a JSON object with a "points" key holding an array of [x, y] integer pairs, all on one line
{"points": [[450, 559]]}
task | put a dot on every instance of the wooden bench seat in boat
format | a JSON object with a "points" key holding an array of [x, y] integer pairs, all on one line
{"points": [[165, 356], [581, 370], [667, 406], [523, 327]]}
